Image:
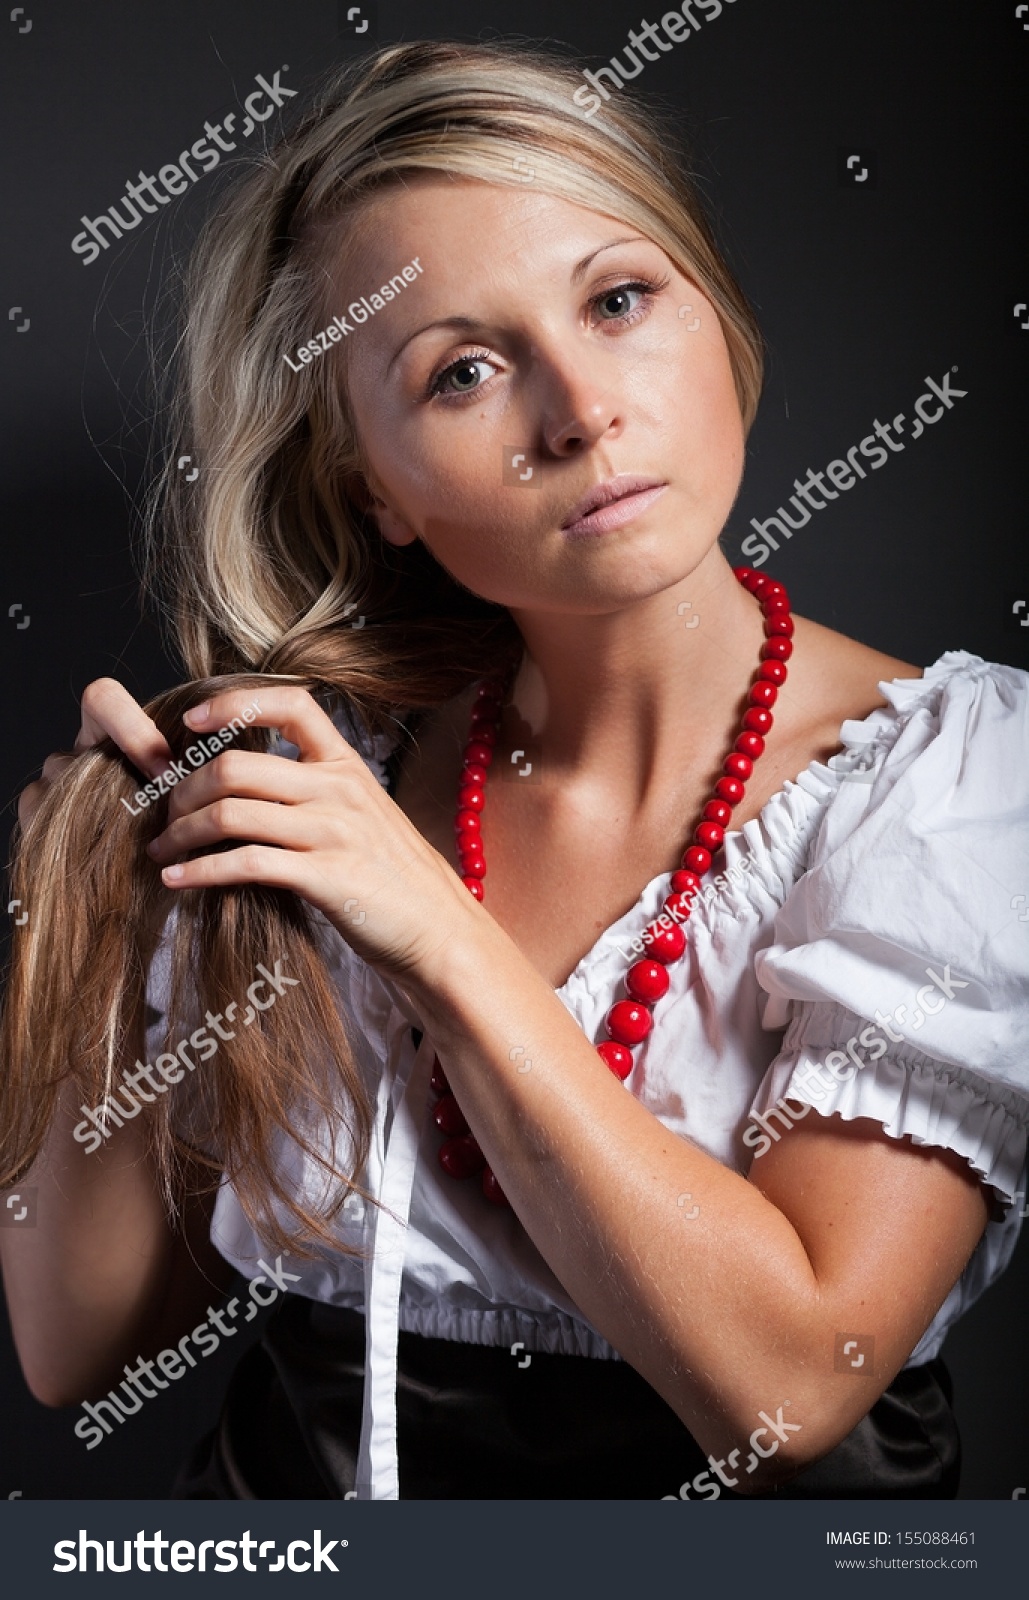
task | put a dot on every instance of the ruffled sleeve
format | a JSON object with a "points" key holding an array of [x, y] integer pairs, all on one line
{"points": [[899, 962]]}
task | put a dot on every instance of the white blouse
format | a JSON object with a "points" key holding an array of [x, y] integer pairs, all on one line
{"points": [[874, 903]]}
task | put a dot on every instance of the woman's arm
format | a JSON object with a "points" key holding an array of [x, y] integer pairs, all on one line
{"points": [[102, 1279], [728, 1303]]}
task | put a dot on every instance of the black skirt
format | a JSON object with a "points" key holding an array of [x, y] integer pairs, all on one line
{"points": [[475, 1424]]}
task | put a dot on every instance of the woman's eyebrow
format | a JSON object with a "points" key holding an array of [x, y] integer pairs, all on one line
{"points": [[471, 324], [580, 270], [462, 324]]}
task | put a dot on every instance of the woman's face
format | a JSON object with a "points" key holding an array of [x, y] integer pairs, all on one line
{"points": [[541, 331]]}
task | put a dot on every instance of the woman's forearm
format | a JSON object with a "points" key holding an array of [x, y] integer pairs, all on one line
{"points": [[681, 1263], [92, 1284]]}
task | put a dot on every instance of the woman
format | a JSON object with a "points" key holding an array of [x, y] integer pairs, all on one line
{"points": [[481, 523]]}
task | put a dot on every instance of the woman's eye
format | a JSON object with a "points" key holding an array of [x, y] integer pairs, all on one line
{"points": [[462, 376], [617, 304]]}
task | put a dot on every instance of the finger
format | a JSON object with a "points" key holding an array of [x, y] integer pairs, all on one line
{"points": [[288, 827], [251, 863], [109, 711], [251, 774], [30, 800], [292, 710], [54, 765], [33, 795]]}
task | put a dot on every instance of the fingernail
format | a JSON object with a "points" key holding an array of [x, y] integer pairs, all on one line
{"points": [[197, 714], [152, 848], [172, 874]]}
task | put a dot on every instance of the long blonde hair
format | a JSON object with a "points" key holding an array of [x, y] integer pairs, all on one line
{"points": [[260, 561]]}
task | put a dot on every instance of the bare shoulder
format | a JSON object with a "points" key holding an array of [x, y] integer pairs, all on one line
{"points": [[847, 659], [834, 678]]}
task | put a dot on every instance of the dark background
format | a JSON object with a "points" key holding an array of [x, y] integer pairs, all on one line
{"points": [[862, 294]]}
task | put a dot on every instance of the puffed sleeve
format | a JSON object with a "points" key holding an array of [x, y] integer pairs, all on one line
{"points": [[898, 964]]}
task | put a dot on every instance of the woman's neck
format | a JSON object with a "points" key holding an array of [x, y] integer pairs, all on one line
{"points": [[614, 700]]}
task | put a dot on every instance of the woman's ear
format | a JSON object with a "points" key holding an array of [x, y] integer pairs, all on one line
{"points": [[391, 526]]}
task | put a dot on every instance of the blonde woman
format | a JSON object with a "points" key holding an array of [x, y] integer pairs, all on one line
{"points": [[641, 1100]]}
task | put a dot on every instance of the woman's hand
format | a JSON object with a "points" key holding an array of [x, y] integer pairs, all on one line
{"points": [[322, 826], [108, 711]]}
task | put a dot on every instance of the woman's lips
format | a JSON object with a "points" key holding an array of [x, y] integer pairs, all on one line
{"points": [[618, 513]]}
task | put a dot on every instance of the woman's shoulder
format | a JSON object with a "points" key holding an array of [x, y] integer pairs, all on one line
{"points": [[835, 679], [844, 691]]}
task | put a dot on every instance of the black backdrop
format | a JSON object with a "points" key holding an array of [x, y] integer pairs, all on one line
{"points": [[863, 290]]}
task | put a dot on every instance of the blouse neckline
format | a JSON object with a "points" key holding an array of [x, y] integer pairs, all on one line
{"points": [[910, 692]]}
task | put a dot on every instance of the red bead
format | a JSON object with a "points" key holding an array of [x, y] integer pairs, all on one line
{"points": [[467, 821], [710, 835], [473, 866], [775, 607], [685, 883], [474, 774], [757, 721], [617, 1058], [471, 798], [750, 744], [448, 1116], [477, 753], [763, 694], [664, 944], [483, 731], [778, 626], [474, 887], [742, 574], [489, 689], [491, 1188], [438, 1082], [628, 1023], [680, 906], [647, 981], [461, 1157], [773, 672], [737, 766], [469, 841], [718, 811], [774, 591], [730, 789], [761, 582], [697, 859], [777, 649]]}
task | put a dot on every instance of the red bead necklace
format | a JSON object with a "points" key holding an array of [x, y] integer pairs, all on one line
{"points": [[629, 1021]]}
